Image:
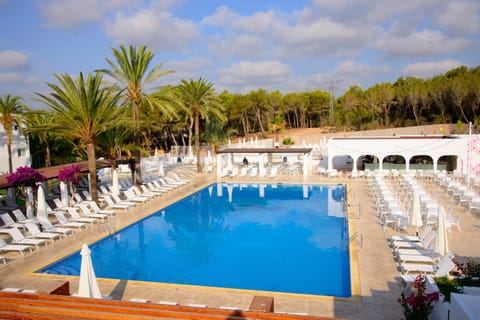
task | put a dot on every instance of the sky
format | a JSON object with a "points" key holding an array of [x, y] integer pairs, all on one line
{"points": [[240, 45]]}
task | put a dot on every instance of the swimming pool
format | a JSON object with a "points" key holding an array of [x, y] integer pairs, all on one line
{"points": [[285, 238]]}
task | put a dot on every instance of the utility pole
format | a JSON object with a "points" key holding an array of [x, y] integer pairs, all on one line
{"points": [[331, 90]]}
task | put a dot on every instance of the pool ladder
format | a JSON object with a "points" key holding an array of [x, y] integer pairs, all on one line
{"points": [[357, 213], [357, 237]]}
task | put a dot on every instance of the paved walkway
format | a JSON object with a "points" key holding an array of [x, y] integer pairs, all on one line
{"points": [[376, 282]]}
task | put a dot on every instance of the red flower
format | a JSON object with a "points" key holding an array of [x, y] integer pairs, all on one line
{"points": [[70, 174], [25, 177]]}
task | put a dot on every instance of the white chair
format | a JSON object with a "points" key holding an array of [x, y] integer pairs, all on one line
{"points": [[243, 172], [77, 218], [117, 199], [36, 233], [443, 268], [112, 204], [422, 244], [456, 222], [132, 197], [19, 238], [49, 227], [426, 231], [21, 218], [9, 222], [4, 247], [97, 209], [64, 222], [89, 214]]}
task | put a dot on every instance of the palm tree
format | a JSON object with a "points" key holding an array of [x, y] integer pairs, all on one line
{"points": [[82, 110], [131, 70], [40, 125], [200, 99], [11, 112]]}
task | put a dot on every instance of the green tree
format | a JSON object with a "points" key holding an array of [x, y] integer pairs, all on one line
{"points": [[82, 110], [40, 126], [131, 69], [11, 114], [199, 97]]}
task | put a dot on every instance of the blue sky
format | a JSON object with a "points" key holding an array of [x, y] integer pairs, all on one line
{"points": [[240, 45]]}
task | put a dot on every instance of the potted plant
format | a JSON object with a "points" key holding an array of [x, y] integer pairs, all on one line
{"points": [[26, 180], [418, 304], [70, 176]]}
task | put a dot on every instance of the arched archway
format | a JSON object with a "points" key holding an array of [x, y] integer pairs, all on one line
{"points": [[448, 163], [367, 161], [394, 161], [421, 162]]}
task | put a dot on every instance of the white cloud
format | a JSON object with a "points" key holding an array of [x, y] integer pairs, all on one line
{"points": [[13, 77], [254, 73], [324, 36], [61, 13], [158, 30], [257, 23], [429, 69], [352, 68], [244, 45], [185, 69], [421, 43], [461, 16], [13, 60]]}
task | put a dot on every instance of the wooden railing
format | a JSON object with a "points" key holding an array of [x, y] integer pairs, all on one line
{"points": [[49, 306]]}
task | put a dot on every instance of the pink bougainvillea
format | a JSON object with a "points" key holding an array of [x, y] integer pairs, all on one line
{"points": [[70, 174], [25, 177], [418, 304]]}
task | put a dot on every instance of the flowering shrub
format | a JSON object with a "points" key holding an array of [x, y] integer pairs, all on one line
{"points": [[25, 177], [70, 174], [418, 304]]}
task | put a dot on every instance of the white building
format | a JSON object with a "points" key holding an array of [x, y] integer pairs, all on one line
{"points": [[20, 150]]}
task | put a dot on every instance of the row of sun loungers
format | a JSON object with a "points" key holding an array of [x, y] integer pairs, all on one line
{"points": [[26, 235]]}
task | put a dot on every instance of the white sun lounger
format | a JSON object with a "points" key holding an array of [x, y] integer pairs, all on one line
{"points": [[19, 238], [21, 218], [414, 244], [9, 222], [36, 233], [111, 204], [77, 218], [49, 227], [14, 247], [409, 258], [89, 214], [64, 222], [426, 231], [97, 209], [441, 269], [132, 197]]}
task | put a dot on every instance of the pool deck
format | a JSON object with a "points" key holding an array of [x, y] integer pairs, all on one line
{"points": [[376, 280]]}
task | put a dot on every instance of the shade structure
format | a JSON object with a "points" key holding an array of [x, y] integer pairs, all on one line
{"points": [[41, 203], [161, 170], [88, 286], [115, 184], [209, 157], [64, 193], [416, 215], [441, 239], [29, 202], [230, 192]]}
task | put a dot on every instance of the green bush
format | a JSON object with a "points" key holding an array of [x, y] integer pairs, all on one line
{"points": [[288, 141], [447, 286]]}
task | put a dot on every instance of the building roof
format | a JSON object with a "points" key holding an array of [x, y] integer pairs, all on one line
{"points": [[52, 172], [265, 150]]}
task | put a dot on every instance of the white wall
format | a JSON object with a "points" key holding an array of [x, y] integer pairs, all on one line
{"points": [[20, 151]]}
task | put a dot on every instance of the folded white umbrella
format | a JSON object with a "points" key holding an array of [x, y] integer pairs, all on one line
{"points": [[88, 286], [41, 203], [441, 239]]}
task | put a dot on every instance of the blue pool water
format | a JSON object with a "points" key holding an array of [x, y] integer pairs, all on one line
{"points": [[286, 238]]}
